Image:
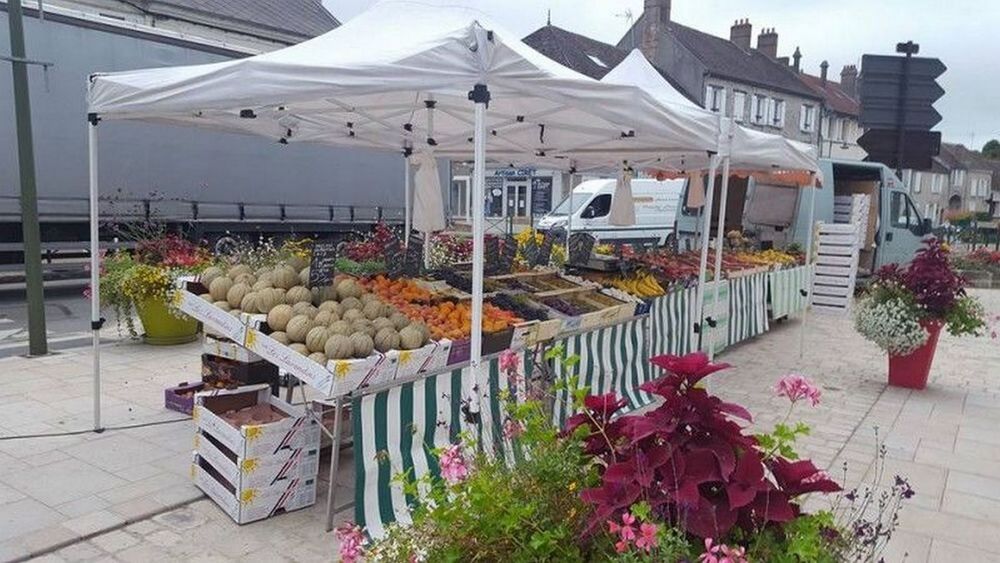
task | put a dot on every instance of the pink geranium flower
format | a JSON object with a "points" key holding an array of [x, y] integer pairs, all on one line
{"points": [[352, 540], [628, 527], [647, 537], [453, 466], [711, 554], [512, 429], [508, 361], [796, 387]]}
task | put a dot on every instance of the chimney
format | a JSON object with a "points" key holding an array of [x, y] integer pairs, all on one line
{"points": [[767, 43], [849, 80], [657, 10], [655, 17], [741, 33], [797, 60], [823, 67]]}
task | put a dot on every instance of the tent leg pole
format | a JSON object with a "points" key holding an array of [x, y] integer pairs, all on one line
{"points": [[408, 199], [427, 251], [703, 265], [481, 96], [809, 261], [331, 494], [720, 236], [95, 272]]}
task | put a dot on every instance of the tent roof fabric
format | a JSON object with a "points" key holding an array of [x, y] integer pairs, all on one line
{"points": [[302, 18], [725, 59], [399, 74], [749, 148]]}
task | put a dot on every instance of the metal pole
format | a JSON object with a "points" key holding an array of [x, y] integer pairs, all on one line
{"points": [[37, 343], [720, 236], [331, 495], [408, 198], [809, 259], [95, 270], [705, 230], [481, 96]]}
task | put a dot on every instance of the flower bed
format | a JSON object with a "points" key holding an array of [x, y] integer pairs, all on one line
{"points": [[685, 481]]}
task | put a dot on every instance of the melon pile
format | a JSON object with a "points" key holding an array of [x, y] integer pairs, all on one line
{"points": [[337, 322]]}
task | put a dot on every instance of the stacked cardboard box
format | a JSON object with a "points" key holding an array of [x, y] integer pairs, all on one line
{"points": [[254, 470]]}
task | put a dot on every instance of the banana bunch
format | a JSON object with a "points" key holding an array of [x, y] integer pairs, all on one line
{"points": [[641, 285]]}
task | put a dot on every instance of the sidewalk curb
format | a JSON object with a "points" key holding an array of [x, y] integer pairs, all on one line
{"points": [[128, 522]]}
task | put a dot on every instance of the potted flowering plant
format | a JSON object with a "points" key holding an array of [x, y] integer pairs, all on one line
{"points": [[904, 310], [142, 282]]}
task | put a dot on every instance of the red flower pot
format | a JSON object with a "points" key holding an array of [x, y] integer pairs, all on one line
{"points": [[913, 369]]}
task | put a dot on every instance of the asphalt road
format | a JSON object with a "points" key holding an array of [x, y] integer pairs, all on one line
{"points": [[67, 319]]}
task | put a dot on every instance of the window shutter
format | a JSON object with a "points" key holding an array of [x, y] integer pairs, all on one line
{"points": [[916, 182], [722, 101], [802, 117]]}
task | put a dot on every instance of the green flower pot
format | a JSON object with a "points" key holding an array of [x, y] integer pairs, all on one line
{"points": [[163, 328]]}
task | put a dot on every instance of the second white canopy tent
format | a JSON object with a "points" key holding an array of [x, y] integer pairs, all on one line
{"points": [[737, 147]]}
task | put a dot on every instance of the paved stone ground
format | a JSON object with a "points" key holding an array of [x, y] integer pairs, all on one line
{"points": [[68, 490]]}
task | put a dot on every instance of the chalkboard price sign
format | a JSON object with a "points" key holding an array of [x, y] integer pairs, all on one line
{"points": [[413, 260], [507, 255], [491, 256], [580, 247], [394, 258], [530, 251], [323, 262], [545, 250]]}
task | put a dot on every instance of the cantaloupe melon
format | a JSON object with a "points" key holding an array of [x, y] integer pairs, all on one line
{"points": [[338, 347], [219, 287], [278, 317], [298, 327], [236, 294], [386, 339], [316, 338], [298, 294]]}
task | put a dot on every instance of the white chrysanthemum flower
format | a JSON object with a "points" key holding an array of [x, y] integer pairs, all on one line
{"points": [[890, 324]]}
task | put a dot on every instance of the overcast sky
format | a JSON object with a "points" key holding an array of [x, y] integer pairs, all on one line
{"points": [[962, 33]]}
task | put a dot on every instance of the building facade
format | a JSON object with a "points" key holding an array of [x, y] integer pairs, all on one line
{"points": [[960, 181], [839, 129], [251, 26], [729, 76]]}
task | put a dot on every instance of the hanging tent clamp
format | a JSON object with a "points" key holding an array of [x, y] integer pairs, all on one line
{"points": [[430, 104]]}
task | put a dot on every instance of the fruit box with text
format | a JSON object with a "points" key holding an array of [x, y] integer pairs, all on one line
{"points": [[259, 472], [296, 430], [251, 505]]}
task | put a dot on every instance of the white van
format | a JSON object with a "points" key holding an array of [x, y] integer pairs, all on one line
{"points": [[590, 203]]}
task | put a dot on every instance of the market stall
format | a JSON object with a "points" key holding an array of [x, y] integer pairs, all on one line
{"points": [[400, 77]]}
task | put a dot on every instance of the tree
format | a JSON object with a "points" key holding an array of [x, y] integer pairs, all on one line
{"points": [[992, 149]]}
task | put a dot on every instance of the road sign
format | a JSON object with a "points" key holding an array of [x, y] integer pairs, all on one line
{"points": [[897, 95], [915, 118], [893, 65], [884, 79], [887, 86], [919, 147]]}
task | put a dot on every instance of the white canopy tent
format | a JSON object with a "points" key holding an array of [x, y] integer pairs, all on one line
{"points": [[406, 76], [737, 147]]}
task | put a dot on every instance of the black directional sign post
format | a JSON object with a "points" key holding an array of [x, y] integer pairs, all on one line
{"points": [[897, 97]]}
